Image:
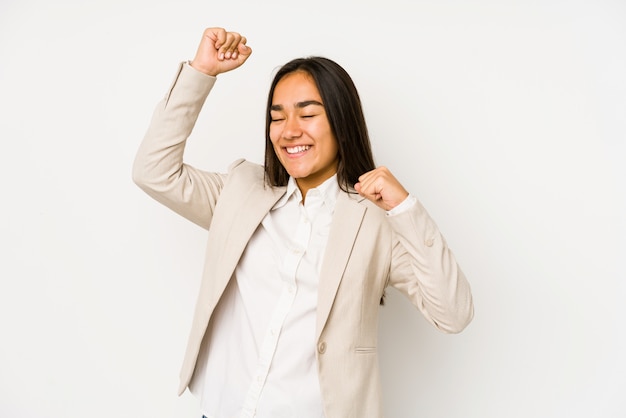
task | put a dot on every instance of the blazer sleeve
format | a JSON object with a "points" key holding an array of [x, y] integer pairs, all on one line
{"points": [[159, 169], [426, 271]]}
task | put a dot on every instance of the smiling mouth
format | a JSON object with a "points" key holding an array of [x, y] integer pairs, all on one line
{"points": [[297, 149]]}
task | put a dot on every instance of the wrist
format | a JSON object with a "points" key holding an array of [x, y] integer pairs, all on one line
{"points": [[203, 69]]}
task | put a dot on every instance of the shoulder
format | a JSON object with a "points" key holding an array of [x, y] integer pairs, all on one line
{"points": [[370, 208], [356, 205], [244, 174], [242, 168]]}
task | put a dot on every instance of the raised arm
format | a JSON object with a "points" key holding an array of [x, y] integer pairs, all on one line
{"points": [[158, 168]]}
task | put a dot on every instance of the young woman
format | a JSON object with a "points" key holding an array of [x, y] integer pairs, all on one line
{"points": [[299, 250]]}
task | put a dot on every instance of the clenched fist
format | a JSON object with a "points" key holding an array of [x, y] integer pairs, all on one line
{"points": [[220, 51], [382, 188]]}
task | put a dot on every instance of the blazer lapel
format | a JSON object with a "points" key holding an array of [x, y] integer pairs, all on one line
{"points": [[346, 223], [244, 220]]}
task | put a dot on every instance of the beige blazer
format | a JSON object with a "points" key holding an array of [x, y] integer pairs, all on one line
{"points": [[367, 251]]}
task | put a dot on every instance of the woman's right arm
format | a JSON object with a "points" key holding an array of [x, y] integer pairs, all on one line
{"points": [[159, 169]]}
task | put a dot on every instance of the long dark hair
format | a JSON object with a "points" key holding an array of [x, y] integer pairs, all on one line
{"points": [[345, 115]]}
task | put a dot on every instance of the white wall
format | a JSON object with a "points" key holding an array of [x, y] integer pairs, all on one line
{"points": [[507, 119]]}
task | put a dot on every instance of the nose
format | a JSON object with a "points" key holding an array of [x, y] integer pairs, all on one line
{"points": [[292, 129]]}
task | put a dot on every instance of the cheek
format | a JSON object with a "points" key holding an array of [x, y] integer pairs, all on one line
{"points": [[333, 147], [274, 146], [274, 134]]}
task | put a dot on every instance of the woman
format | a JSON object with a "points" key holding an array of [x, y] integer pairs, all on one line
{"points": [[299, 250]]}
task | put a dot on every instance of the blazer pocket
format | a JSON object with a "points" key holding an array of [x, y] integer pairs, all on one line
{"points": [[365, 350]]}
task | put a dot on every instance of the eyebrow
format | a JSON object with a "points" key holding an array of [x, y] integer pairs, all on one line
{"points": [[299, 105]]}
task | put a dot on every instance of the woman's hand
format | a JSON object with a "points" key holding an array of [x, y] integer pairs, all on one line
{"points": [[220, 51], [382, 188]]}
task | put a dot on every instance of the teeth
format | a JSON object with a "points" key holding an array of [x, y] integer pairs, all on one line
{"points": [[299, 148]]}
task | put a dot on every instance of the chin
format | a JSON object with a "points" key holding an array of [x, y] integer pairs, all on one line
{"points": [[297, 174]]}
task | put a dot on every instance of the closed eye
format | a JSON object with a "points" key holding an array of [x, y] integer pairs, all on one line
{"points": [[276, 117]]}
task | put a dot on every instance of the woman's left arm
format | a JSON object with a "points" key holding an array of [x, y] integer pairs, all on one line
{"points": [[422, 267]]}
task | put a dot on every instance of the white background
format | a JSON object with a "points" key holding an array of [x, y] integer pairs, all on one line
{"points": [[506, 118]]}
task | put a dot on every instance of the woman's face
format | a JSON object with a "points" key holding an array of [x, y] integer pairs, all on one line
{"points": [[300, 131]]}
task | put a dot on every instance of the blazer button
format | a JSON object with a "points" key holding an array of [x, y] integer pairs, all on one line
{"points": [[429, 242], [321, 347]]}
